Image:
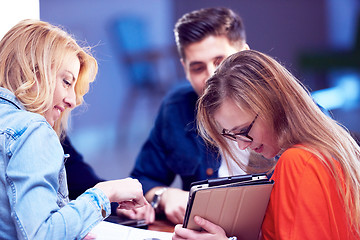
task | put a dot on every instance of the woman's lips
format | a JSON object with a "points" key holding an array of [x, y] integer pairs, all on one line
{"points": [[59, 111]]}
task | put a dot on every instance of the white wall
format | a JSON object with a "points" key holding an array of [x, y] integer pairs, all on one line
{"points": [[11, 12]]}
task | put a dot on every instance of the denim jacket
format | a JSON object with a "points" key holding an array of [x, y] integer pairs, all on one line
{"points": [[33, 190]]}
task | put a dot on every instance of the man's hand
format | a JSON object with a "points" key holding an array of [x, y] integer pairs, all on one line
{"points": [[174, 202]]}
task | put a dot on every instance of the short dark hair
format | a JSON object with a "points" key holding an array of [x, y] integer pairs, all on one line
{"points": [[196, 25]]}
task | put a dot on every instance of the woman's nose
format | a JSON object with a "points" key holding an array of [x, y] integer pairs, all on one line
{"points": [[243, 145], [71, 98]]}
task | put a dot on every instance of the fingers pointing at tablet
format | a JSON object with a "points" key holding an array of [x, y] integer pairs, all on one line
{"points": [[127, 192]]}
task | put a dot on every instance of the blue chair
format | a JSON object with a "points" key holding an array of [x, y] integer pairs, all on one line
{"points": [[150, 71]]}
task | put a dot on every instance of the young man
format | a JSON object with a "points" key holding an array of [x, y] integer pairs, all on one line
{"points": [[204, 39]]}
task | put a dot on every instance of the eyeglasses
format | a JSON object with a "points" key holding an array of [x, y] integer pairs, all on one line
{"points": [[242, 136]]}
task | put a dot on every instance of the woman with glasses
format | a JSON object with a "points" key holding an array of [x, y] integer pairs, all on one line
{"points": [[253, 100]]}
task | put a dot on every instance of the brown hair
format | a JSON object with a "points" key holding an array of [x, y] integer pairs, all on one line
{"points": [[259, 84], [199, 24]]}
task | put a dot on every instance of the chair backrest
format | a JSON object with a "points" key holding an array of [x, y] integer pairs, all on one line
{"points": [[143, 62], [130, 38], [131, 34]]}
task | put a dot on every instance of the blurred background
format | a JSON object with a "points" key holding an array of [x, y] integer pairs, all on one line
{"points": [[318, 41]]}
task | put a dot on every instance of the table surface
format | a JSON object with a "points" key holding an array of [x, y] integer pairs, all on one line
{"points": [[162, 225]]}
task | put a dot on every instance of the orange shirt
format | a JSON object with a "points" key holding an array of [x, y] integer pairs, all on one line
{"points": [[304, 203]]}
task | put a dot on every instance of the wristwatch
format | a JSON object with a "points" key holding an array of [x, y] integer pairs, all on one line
{"points": [[157, 197]]}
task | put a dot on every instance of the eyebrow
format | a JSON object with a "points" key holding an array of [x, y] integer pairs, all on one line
{"points": [[198, 62], [239, 128], [72, 75], [195, 63]]}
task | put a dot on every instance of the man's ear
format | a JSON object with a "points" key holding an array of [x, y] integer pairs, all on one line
{"points": [[182, 63], [184, 67]]}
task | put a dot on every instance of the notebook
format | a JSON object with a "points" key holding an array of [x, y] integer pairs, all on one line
{"points": [[236, 203]]}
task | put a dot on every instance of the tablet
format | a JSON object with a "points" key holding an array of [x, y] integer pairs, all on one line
{"points": [[123, 220], [236, 203]]}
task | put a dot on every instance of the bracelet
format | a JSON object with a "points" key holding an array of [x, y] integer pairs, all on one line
{"points": [[232, 238]]}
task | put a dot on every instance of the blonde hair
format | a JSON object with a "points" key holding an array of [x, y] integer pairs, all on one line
{"points": [[259, 84], [31, 53]]}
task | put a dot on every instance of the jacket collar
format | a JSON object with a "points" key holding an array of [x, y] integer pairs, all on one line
{"points": [[7, 95]]}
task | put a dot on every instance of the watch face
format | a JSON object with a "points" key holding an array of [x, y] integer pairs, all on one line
{"points": [[157, 196], [155, 201]]}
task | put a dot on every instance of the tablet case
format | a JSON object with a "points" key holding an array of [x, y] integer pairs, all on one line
{"points": [[236, 203]]}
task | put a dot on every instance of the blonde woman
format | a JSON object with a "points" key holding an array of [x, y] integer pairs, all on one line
{"points": [[254, 101], [44, 74]]}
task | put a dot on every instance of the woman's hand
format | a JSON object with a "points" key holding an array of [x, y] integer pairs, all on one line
{"points": [[146, 212], [127, 192], [211, 231]]}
